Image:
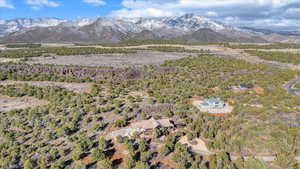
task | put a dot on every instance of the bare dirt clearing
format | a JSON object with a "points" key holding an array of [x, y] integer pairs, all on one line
{"points": [[190, 47], [58, 45], [75, 87], [10, 103], [140, 58], [222, 51], [197, 145], [4, 60], [280, 50]]}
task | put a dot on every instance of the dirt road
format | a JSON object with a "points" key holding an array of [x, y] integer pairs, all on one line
{"points": [[289, 86]]}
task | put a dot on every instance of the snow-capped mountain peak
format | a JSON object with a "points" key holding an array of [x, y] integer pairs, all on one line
{"points": [[185, 23], [86, 21], [118, 29], [194, 22], [9, 26], [79, 23]]}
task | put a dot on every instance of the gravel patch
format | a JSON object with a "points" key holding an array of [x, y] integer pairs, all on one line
{"points": [[141, 58]]}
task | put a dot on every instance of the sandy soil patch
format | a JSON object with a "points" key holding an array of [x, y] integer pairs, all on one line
{"points": [[140, 58], [58, 45], [249, 43], [10, 103], [143, 94], [121, 152], [87, 160], [195, 98], [4, 60], [281, 50], [197, 145], [167, 161], [190, 47], [75, 87]]}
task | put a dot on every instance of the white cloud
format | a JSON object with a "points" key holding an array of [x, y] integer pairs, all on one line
{"points": [[183, 6], [95, 2], [5, 4], [143, 8], [221, 3], [242, 12], [140, 13], [37, 4], [293, 11], [212, 13]]}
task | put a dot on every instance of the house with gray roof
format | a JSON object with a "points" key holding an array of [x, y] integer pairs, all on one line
{"points": [[213, 103]]}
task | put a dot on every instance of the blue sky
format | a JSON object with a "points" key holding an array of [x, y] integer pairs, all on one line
{"points": [[67, 9], [255, 13]]}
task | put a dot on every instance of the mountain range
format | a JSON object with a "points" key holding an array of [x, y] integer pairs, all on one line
{"points": [[189, 27]]}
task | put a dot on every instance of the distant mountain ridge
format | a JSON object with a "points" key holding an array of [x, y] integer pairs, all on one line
{"points": [[10, 26], [189, 27], [269, 31]]}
